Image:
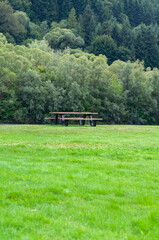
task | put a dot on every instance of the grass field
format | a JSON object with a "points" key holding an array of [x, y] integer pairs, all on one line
{"points": [[65, 183]]}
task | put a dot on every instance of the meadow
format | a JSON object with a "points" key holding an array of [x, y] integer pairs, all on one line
{"points": [[67, 183]]}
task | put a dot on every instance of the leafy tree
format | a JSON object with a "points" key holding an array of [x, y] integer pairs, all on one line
{"points": [[8, 21], [34, 31], [124, 53], [137, 94], [44, 28], [30, 29], [85, 84], [8, 86], [25, 22], [3, 39], [153, 77], [61, 38], [105, 45], [35, 97], [42, 44]]}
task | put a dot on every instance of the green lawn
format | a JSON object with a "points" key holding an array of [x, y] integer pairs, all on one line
{"points": [[63, 183]]}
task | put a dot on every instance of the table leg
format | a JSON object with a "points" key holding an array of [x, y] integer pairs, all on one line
{"points": [[66, 122], [95, 123], [84, 121], [63, 121], [91, 121], [56, 119]]}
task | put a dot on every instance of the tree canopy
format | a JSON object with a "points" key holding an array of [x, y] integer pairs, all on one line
{"points": [[70, 55]]}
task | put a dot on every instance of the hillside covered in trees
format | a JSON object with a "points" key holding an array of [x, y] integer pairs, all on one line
{"points": [[99, 55]]}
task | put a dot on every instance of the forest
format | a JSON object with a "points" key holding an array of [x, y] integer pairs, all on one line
{"points": [[67, 55]]}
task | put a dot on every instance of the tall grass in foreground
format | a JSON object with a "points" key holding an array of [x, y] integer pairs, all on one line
{"points": [[67, 183]]}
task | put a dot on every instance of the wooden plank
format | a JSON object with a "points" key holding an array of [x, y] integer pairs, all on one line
{"points": [[64, 113], [89, 119], [66, 118], [96, 119], [49, 118]]}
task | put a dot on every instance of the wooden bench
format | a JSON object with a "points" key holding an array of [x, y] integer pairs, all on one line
{"points": [[64, 119]]}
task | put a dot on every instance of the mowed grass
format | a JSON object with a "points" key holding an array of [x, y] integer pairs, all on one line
{"points": [[76, 182]]}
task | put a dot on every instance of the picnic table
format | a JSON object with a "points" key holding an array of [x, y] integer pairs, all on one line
{"points": [[64, 117]]}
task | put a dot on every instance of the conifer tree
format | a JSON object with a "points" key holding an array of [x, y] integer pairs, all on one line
{"points": [[89, 24], [72, 21], [146, 46]]}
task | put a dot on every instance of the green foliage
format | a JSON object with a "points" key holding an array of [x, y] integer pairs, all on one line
{"points": [[140, 105], [8, 89], [85, 79], [89, 24], [21, 5], [131, 25], [24, 21], [37, 79], [35, 97], [105, 45], [146, 45], [3, 39], [8, 21], [32, 96], [124, 53], [61, 38], [44, 28], [72, 21], [42, 44]]}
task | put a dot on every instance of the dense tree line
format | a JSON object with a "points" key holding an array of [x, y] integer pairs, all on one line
{"points": [[119, 29], [71, 55], [35, 80]]}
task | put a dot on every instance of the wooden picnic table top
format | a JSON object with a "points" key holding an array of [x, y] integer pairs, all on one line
{"points": [[63, 113]]}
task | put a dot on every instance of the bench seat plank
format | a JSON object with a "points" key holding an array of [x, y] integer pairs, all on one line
{"points": [[90, 119], [65, 118], [49, 118]]}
